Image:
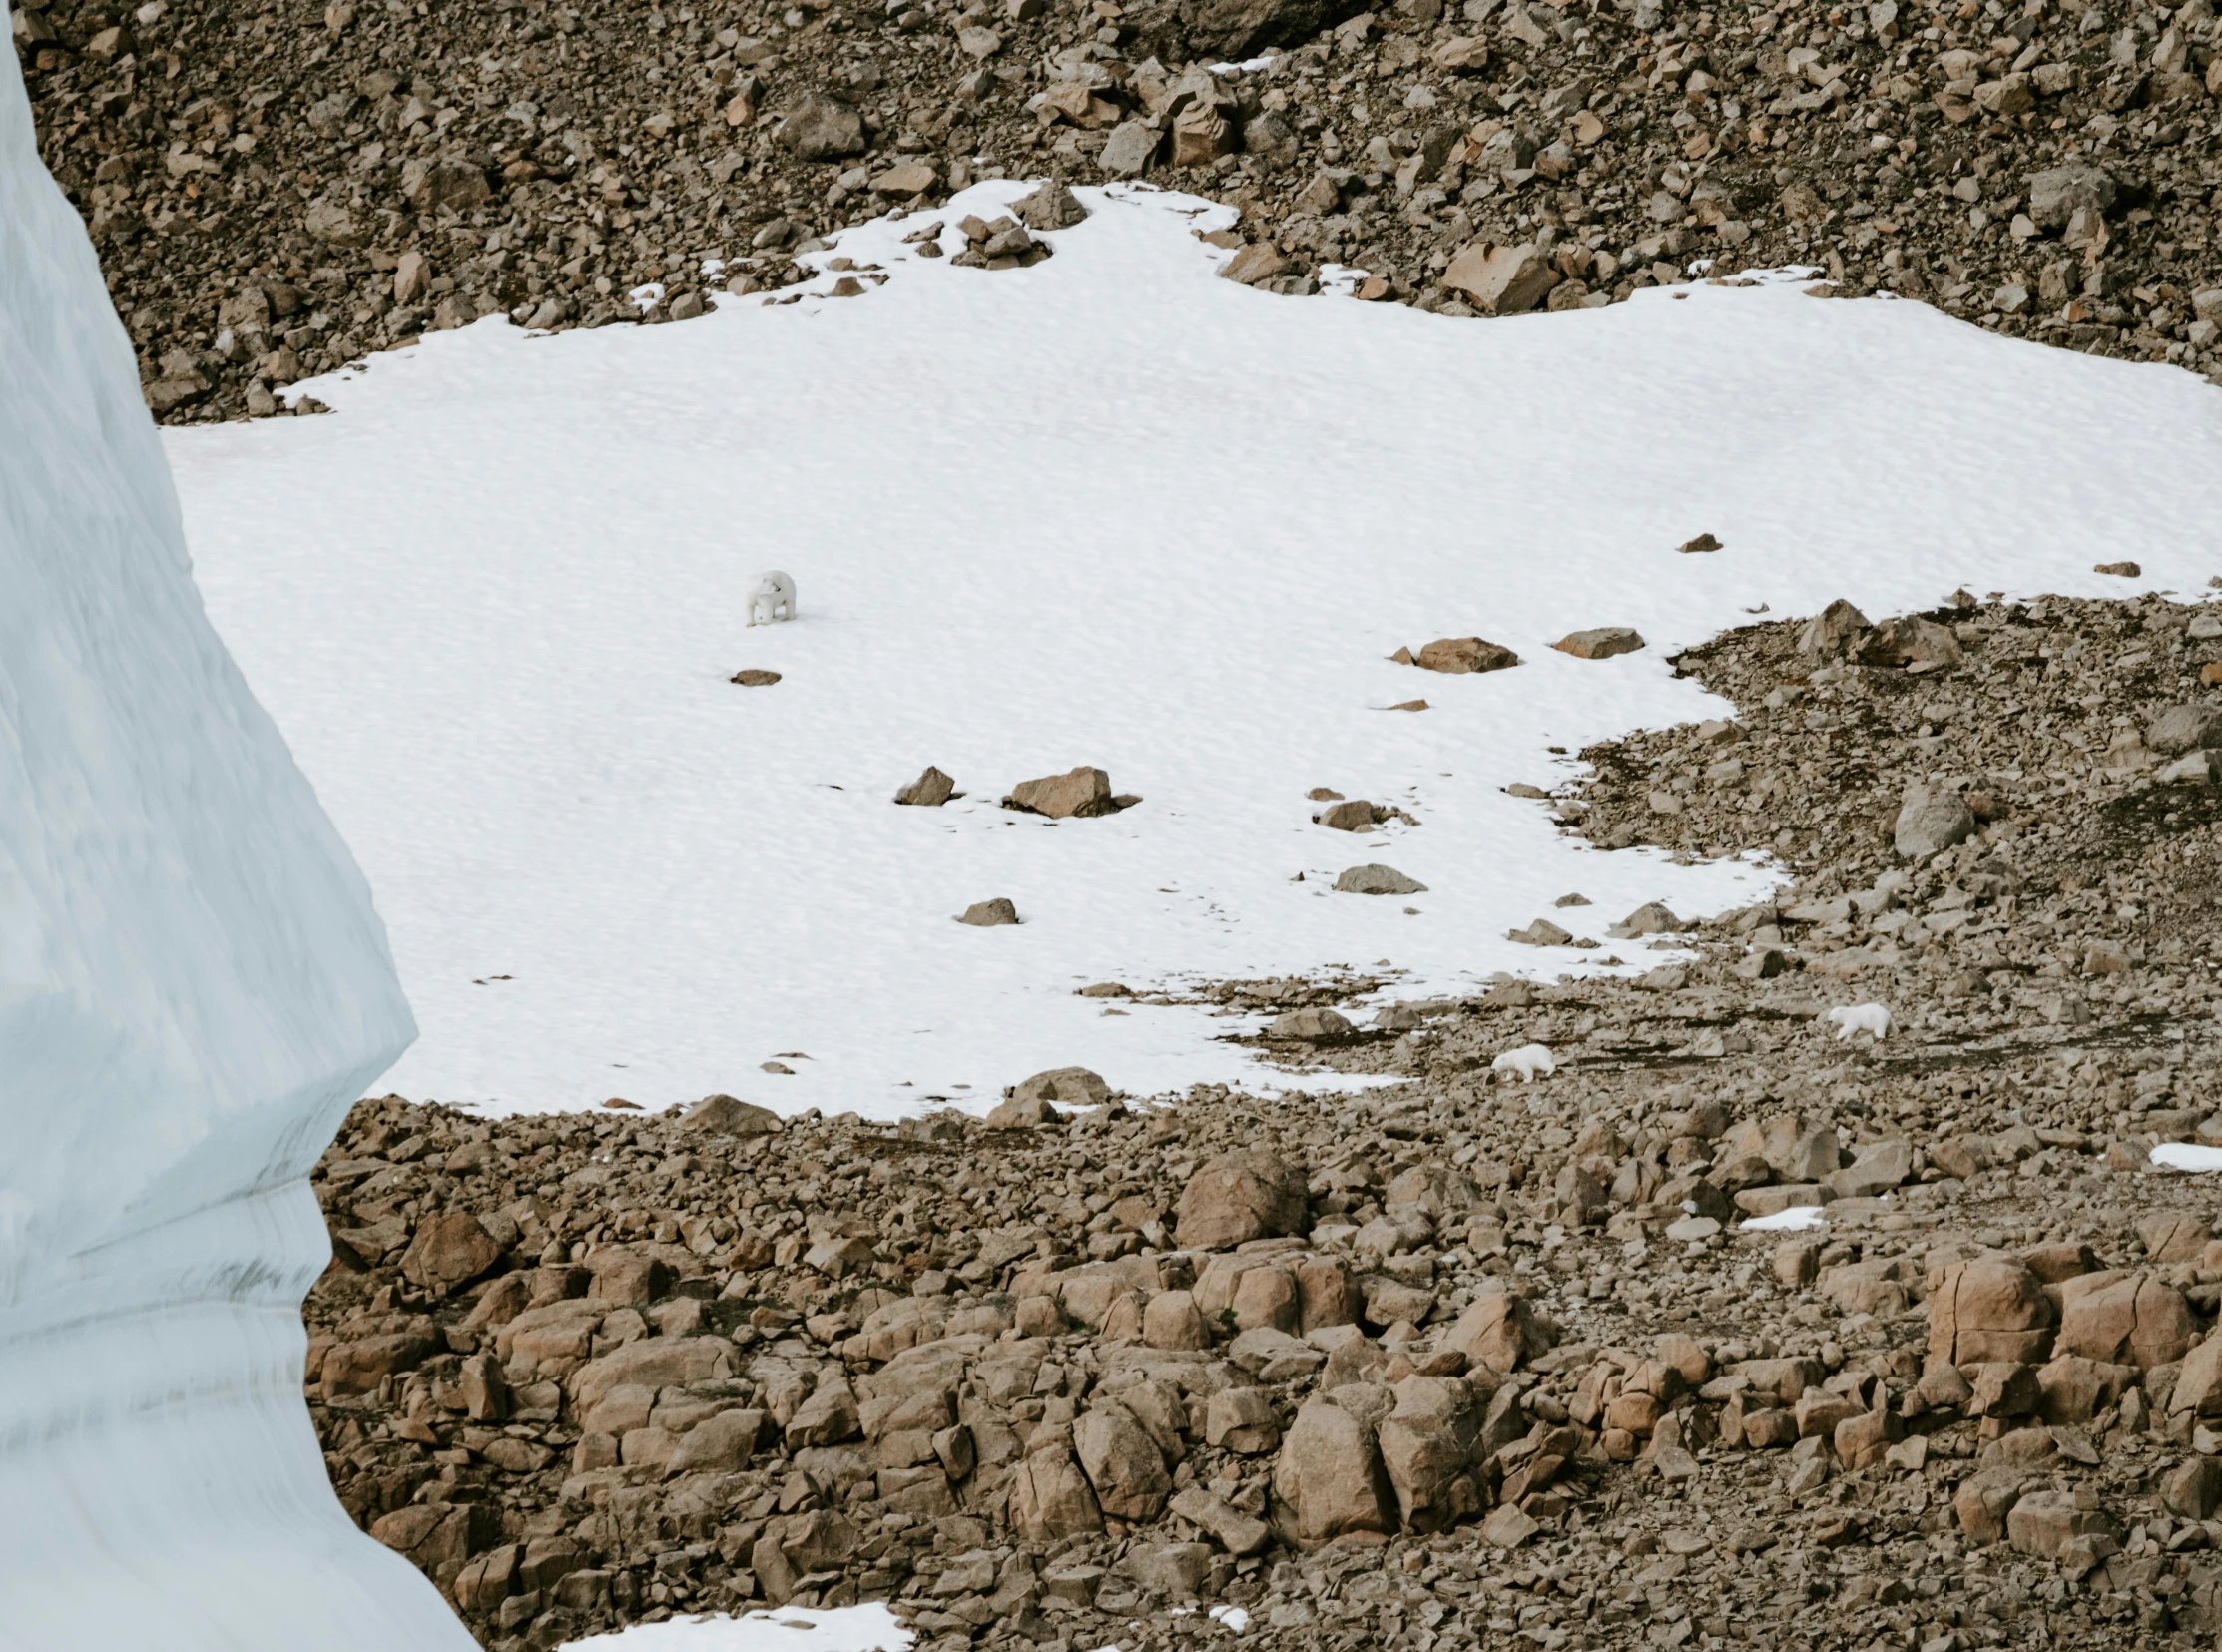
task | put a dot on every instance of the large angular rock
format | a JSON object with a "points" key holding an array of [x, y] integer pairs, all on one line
{"points": [[930, 791], [1502, 281], [1829, 634], [1239, 1197], [1795, 1147], [1051, 1500], [2046, 1523], [449, 1248], [1375, 878], [1911, 641], [1080, 794], [1239, 28], [2185, 729], [1237, 1532], [1330, 1474], [1992, 1308], [2199, 1386], [822, 128], [1931, 819], [1501, 1331], [1067, 1086], [1599, 642], [2123, 1319], [1984, 1502], [722, 1115], [1122, 1463], [1426, 1446], [1457, 656], [2074, 1389], [2059, 193], [1050, 206]]}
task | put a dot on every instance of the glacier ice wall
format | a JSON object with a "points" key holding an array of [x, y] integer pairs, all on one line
{"points": [[192, 987]]}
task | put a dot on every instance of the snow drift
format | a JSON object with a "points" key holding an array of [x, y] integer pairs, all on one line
{"points": [[193, 989]]}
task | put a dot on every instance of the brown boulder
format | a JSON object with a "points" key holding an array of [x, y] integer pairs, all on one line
{"points": [[1829, 633], [1068, 1086], [1075, 795], [1501, 280], [1457, 656], [1992, 1308], [822, 129], [1239, 1197], [930, 791], [1498, 1330], [722, 1115], [1426, 1446], [448, 1250], [2046, 1523], [1984, 1502], [1330, 1475], [2199, 1386], [1603, 643], [2074, 1389], [1051, 1500], [2172, 1236], [1122, 1463], [2124, 1319]]}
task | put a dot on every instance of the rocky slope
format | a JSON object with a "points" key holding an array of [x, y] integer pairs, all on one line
{"points": [[277, 192], [1479, 1358]]}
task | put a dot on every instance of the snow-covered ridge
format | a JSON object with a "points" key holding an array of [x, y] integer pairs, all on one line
{"points": [[193, 988]]}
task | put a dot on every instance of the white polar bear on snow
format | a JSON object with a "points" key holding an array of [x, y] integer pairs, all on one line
{"points": [[772, 598]]}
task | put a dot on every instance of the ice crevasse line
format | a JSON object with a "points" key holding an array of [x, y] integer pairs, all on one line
{"points": [[193, 988]]}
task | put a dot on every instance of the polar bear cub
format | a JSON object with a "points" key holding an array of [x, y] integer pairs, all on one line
{"points": [[772, 598]]}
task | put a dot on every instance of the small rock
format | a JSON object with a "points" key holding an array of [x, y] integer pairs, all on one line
{"points": [[1050, 206], [985, 915], [752, 678], [724, 1115], [1599, 643], [1458, 655], [1309, 1024], [1703, 543], [2120, 570], [1377, 879], [1080, 794], [1069, 1086], [930, 791]]}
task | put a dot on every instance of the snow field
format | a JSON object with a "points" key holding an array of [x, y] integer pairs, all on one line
{"points": [[1105, 510]]}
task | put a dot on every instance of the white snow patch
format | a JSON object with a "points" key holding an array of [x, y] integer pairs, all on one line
{"points": [[1794, 1220], [2188, 1156], [1103, 510], [1234, 1617], [872, 1628]]}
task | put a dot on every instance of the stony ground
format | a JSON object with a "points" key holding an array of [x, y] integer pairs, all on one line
{"points": [[1482, 1359], [276, 192]]}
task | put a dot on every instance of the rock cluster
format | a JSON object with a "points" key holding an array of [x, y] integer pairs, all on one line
{"points": [[274, 196], [1485, 1353]]}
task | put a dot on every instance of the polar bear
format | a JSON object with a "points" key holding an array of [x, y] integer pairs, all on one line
{"points": [[772, 598], [1871, 1019], [1527, 1061]]}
